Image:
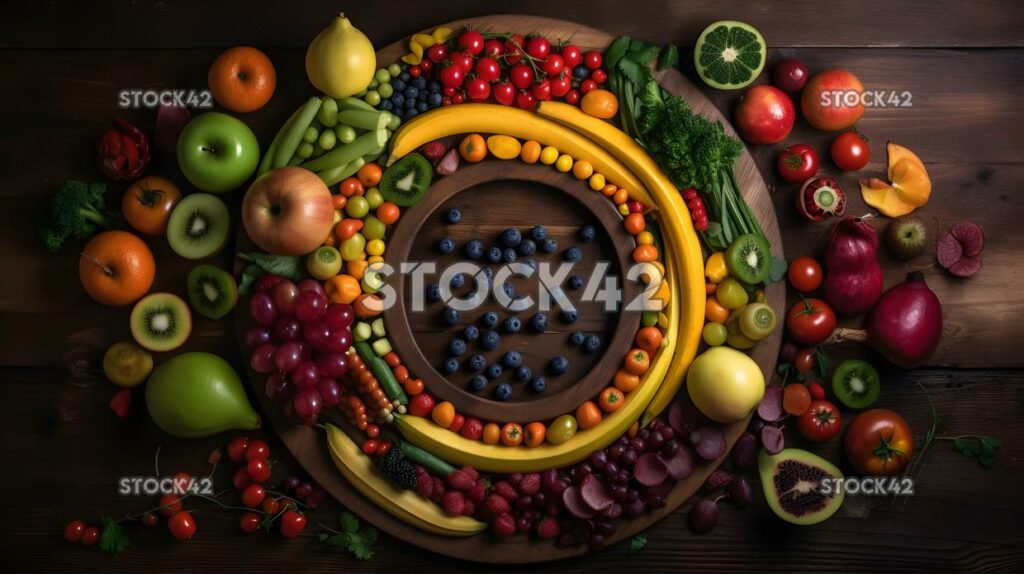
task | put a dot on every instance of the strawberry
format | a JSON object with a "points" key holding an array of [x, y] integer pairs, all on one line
{"points": [[496, 506], [505, 490], [530, 484], [434, 151], [504, 525], [478, 492], [453, 503], [460, 480], [473, 428], [438, 491], [457, 423], [471, 472], [468, 508], [424, 485], [548, 529]]}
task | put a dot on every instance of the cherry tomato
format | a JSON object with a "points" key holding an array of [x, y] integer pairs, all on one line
{"points": [[148, 203], [878, 442], [237, 447], [850, 151], [292, 524], [538, 47], [150, 519], [182, 526], [253, 495], [600, 76], [241, 478], [821, 422], [271, 505], [370, 446], [477, 90], [514, 48], [437, 53], [259, 470], [463, 61], [542, 90], [587, 86], [561, 85], [250, 522], [572, 56], [572, 97], [805, 274], [90, 536], [521, 76], [798, 163], [593, 59], [169, 504], [554, 65], [258, 450], [810, 321], [817, 391], [73, 531], [804, 360], [493, 48], [451, 76], [471, 42], [415, 71], [458, 98], [504, 93], [525, 100], [487, 69]]}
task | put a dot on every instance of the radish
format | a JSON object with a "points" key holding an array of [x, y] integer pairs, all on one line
{"points": [[708, 442], [770, 407], [650, 470]]}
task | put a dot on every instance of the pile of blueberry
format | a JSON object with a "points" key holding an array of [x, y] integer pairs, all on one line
{"points": [[412, 96]]}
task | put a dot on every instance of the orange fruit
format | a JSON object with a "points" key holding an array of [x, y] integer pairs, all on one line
{"points": [[242, 79], [116, 268]]}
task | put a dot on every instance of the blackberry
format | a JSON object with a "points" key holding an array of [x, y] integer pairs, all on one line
{"points": [[395, 466]]}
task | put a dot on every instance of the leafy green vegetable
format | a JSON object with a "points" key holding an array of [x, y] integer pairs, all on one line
{"points": [[288, 266], [78, 210], [113, 540], [668, 57], [982, 448], [353, 537], [636, 544]]}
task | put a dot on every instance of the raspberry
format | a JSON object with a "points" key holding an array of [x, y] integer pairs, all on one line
{"points": [[530, 484], [504, 525], [478, 492], [505, 490], [460, 480], [548, 529], [468, 508], [496, 506], [438, 491], [434, 151], [471, 472], [425, 485], [514, 478], [453, 503], [473, 429]]}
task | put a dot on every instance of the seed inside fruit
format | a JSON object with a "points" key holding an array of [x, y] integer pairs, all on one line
{"points": [[729, 54]]}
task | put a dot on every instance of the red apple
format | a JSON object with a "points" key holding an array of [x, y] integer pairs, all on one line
{"points": [[765, 115], [833, 100], [288, 211]]}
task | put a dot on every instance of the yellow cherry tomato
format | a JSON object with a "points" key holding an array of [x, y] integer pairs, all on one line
{"points": [[127, 364], [375, 247], [582, 169], [564, 163], [596, 182], [548, 155]]}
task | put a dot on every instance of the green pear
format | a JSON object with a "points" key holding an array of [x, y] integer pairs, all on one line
{"points": [[198, 394]]}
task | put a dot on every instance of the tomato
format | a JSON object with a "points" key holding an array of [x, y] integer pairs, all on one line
{"points": [[258, 450], [637, 361], [541, 90], [258, 469], [150, 519], [472, 42], [169, 504], [90, 536], [472, 148], [514, 48], [463, 61], [504, 93], [73, 531], [271, 505], [588, 415], [593, 59], [351, 186], [554, 65], [810, 321], [369, 175], [487, 69], [478, 90], [572, 56], [796, 399], [821, 421], [493, 48], [561, 429], [878, 442], [798, 163], [611, 399], [535, 433], [715, 312], [182, 526], [538, 47], [625, 381], [253, 495], [250, 522], [521, 76], [804, 360], [649, 339], [850, 151], [148, 203], [292, 523], [560, 85], [805, 274], [511, 434], [525, 100], [451, 76]]}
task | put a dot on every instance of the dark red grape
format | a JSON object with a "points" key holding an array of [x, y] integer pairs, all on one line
{"points": [[262, 358], [599, 459], [309, 305], [339, 341], [307, 404], [262, 309], [311, 285], [256, 336], [629, 457], [287, 329], [332, 364], [634, 508], [339, 316], [288, 356], [279, 387], [704, 516], [316, 334], [284, 294], [330, 392], [306, 376]]}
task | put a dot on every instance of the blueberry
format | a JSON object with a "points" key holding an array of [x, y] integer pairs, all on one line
{"points": [[512, 359], [457, 347], [488, 272], [527, 247], [493, 371], [478, 383], [494, 254], [508, 255], [458, 281], [403, 77], [509, 289], [446, 245], [581, 72], [511, 237], [573, 254], [433, 293], [470, 333], [435, 99], [538, 385], [451, 316], [386, 105], [503, 392], [559, 365], [422, 96], [538, 233], [399, 84], [490, 341], [576, 338], [451, 365], [570, 316], [587, 233], [592, 344], [410, 103], [453, 216], [434, 86], [397, 100], [474, 248], [411, 93], [513, 324], [422, 107], [531, 263], [489, 319], [539, 323], [549, 245], [575, 282], [420, 82], [476, 363], [523, 373]]}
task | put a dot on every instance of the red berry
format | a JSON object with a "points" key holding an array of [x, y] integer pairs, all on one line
{"points": [[463, 61], [548, 529], [250, 522], [383, 448], [487, 69], [504, 94], [561, 84], [635, 206], [150, 519], [241, 478], [415, 71], [253, 495], [496, 505], [424, 485], [258, 470], [523, 524], [292, 524], [554, 65], [437, 53], [237, 448], [473, 428], [373, 430], [468, 507], [182, 526], [271, 505], [599, 75], [471, 472], [452, 75], [303, 490], [448, 90], [593, 59], [505, 490], [438, 491], [421, 405], [73, 530], [477, 89], [169, 504], [370, 446], [689, 193], [515, 478], [460, 480], [504, 526], [121, 403], [493, 48], [258, 450], [571, 55], [587, 85], [530, 484], [90, 536], [572, 97], [458, 98], [446, 101], [538, 47], [521, 76], [453, 503], [471, 42], [477, 493], [542, 90], [426, 66], [525, 100]]}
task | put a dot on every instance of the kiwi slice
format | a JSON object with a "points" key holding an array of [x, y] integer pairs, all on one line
{"points": [[198, 226], [161, 322], [406, 182], [211, 291], [749, 258], [856, 383]]}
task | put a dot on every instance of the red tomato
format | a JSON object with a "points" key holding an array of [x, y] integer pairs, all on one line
{"points": [[804, 274], [463, 61], [250, 522], [487, 69], [493, 48], [587, 86], [561, 85], [850, 151], [542, 90], [878, 442], [514, 48], [571, 55], [798, 163], [451, 75], [477, 89], [525, 100], [521, 76], [810, 321], [292, 524], [73, 531], [259, 470], [258, 450], [593, 59], [764, 115], [804, 360], [182, 526], [472, 42], [504, 93], [538, 47], [554, 65], [821, 422], [437, 53], [253, 495]]}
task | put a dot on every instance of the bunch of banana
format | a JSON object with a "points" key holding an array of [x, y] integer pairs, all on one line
{"points": [[419, 43], [406, 505]]}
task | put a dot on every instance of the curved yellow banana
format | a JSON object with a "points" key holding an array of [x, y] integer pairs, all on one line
{"points": [[410, 507], [459, 450], [522, 124], [686, 246]]}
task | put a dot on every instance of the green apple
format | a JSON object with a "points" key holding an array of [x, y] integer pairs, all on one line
{"points": [[217, 153]]}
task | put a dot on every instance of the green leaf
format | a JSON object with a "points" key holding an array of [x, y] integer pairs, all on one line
{"points": [[991, 441], [964, 445], [637, 543], [616, 51], [633, 71], [668, 57], [113, 540], [348, 521], [824, 363], [642, 52], [361, 543]]}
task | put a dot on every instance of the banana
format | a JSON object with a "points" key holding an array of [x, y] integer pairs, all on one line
{"points": [[523, 124], [459, 450], [686, 247], [410, 507]]}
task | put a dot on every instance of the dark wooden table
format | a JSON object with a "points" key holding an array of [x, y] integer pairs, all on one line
{"points": [[63, 451]]}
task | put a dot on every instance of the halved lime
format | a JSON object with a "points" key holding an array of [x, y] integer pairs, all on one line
{"points": [[729, 54]]}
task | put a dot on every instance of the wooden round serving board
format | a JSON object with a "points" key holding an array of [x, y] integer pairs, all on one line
{"points": [[309, 445]]}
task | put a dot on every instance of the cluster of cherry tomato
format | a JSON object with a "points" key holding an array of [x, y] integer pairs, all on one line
{"points": [[698, 212], [511, 69], [249, 479]]}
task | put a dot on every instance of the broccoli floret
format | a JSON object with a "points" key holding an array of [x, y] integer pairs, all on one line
{"points": [[77, 210]]}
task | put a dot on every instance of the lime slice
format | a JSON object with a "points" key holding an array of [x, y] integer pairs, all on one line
{"points": [[729, 54]]}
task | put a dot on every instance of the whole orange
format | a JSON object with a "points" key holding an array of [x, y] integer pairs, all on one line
{"points": [[242, 79], [116, 268]]}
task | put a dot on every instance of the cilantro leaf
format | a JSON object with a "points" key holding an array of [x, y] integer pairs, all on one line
{"points": [[616, 51], [668, 57], [113, 540], [982, 448], [637, 543], [361, 543], [633, 71], [348, 522]]}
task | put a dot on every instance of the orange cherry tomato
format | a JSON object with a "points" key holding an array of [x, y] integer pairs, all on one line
{"points": [[511, 433], [609, 190], [710, 288], [473, 148], [356, 268], [714, 311], [401, 373], [351, 186], [535, 433], [443, 414], [611, 399], [645, 253], [634, 223], [530, 152], [388, 213], [649, 339], [621, 196], [339, 201], [796, 399], [588, 415], [491, 434], [342, 289], [346, 228], [369, 175], [637, 361], [413, 386], [625, 381], [393, 360], [148, 203]]}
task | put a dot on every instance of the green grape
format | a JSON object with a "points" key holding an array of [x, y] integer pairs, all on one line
{"points": [[382, 76], [715, 334], [357, 207], [345, 133], [310, 135], [352, 248], [374, 228], [648, 318], [393, 121], [386, 90], [374, 197], [328, 114], [372, 98], [327, 140], [395, 70], [373, 84], [731, 294], [305, 150]]}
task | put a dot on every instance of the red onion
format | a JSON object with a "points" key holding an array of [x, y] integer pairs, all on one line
{"points": [[854, 280]]}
